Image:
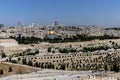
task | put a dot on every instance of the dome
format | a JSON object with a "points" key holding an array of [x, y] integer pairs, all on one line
{"points": [[51, 32]]}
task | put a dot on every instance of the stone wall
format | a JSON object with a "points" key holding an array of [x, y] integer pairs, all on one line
{"points": [[10, 46]]}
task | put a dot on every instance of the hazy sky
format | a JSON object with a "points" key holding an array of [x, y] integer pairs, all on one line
{"points": [[100, 12]]}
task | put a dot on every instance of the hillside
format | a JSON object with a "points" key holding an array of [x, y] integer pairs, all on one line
{"points": [[10, 69]]}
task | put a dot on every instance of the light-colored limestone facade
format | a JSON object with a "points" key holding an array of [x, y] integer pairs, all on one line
{"points": [[40, 31], [11, 46]]}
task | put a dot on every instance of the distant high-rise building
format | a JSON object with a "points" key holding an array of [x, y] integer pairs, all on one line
{"points": [[55, 24], [32, 25], [19, 23], [1, 26]]}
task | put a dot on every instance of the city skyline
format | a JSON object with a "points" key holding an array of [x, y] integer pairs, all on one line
{"points": [[90, 12]]}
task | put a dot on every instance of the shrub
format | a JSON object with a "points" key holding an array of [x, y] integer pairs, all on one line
{"points": [[37, 51], [24, 61], [13, 61]]}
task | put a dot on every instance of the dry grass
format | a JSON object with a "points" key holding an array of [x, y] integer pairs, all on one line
{"points": [[16, 69]]}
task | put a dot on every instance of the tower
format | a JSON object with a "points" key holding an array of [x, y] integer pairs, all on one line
{"points": [[1, 26], [55, 24], [19, 23]]}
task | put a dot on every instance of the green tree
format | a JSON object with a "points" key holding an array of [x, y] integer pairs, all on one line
{"points": [[37, 64], [115, 68], [62, 66], [1, 72], [106, 67], [24, 61], [49, 49], [3, 55], [10, 69], [30, 63], [37, 51]]}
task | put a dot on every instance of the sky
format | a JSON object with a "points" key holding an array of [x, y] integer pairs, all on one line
{"points": [[68, 12]]}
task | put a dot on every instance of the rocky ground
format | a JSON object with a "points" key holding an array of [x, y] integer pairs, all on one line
{"points": [[50, 75], [117, 75], [47, 75], [23, 72]]}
